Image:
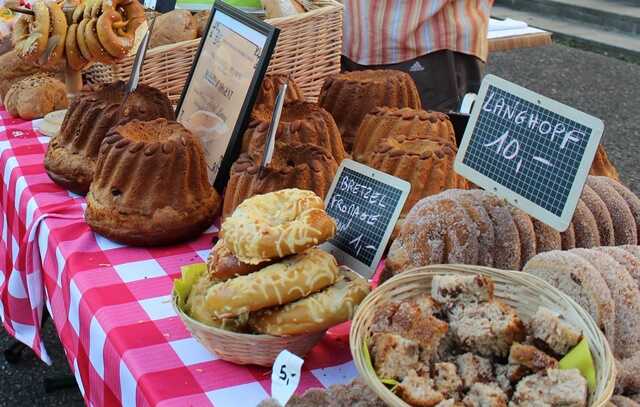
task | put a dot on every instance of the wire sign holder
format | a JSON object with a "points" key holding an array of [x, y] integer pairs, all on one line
{"points": [[529, 149]]}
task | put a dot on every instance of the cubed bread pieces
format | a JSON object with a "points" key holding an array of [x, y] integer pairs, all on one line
{"points": [[417, 389], [488, 329], [474, 369], [461, 289], [446, 380], [485, 395], [621, 401], [554, 388], [554, 332], [393, 355], [531, 357], [450, 403]]}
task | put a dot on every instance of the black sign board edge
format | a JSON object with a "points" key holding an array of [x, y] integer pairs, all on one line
{"points": [[562, 222], [404, 186], [271, 32]]}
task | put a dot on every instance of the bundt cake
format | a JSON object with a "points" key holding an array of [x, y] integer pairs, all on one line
{"points": [[300, 122], [150, 185], [293, 165], [350, 96], [601, 165], [426, 164], [384, 122], [269, 89], [71, 156]]}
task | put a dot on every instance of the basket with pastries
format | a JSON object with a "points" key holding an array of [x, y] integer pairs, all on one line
{"points": [[454, 335], [267, 286]]}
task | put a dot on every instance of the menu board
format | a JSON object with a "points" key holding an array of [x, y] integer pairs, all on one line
{"points": [[531, 150], [222, 87], [366, 204]]}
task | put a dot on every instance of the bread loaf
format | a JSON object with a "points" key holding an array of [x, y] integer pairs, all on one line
{"points": [[282, 8], [172, 27], [35, 96]]}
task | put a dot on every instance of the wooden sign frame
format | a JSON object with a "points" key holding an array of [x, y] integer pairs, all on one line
{"points": [[560, 223], [270, 34]]}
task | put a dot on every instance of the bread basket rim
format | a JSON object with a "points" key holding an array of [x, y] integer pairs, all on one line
{"points": [[330, 7], [377, 296]]}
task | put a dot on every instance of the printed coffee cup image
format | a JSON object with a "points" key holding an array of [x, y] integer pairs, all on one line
{"points": [[212, 132]]}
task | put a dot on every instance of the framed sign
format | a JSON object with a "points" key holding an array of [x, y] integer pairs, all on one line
{"points": [[531, 150], [224, 81], [366, 204]]}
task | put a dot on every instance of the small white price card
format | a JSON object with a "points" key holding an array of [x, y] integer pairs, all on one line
{"points": [[285, 376]]}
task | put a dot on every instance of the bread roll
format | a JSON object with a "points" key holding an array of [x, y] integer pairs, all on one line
{"points": [[172, 27], [282, 8], [201, 18], [277, 224], [35, 96], [281, 283], [317, 312]]}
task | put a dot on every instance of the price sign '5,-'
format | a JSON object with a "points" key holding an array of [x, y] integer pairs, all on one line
{"points": [[285, 376]]}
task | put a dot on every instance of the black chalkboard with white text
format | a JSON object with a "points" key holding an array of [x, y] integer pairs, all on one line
{"points": [[529, 149], [366, 204]]}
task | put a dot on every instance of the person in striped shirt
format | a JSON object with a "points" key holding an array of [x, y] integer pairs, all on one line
{"points": [[442, 44]]}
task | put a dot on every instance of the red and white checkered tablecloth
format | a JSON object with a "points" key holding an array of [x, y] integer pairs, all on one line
{"points": [[110, 303]]}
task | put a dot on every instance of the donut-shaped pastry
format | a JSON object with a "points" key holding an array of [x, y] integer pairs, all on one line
{"points": [[81, 40], [93, 43], [109, 27], [74, 58], [31, 33], [315, 313], [277, 224], [281, 283], [58, 33], [92, 9], [78, 13]]}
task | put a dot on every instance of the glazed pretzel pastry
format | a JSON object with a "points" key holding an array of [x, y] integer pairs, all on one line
{"points": [[223, 265], [57, 32], [117, 25], [93, 43], [31, 33], [82, 43], [289, 280], [277, 224], [315, 313], [74, 57]]}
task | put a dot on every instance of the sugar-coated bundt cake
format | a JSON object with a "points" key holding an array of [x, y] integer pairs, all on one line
{"points": [[71, 156], [300, 122], [266, 99], [350, 96], [426, 164], [293, 166], [384, 122], [150, 185], [601, 165]]}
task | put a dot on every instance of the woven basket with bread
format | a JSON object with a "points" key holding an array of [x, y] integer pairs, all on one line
{"points": [[451, 333], [266, 286]]}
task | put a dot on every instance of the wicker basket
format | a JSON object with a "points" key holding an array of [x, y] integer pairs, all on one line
{"points": [[246, 349], [522, 291], [308, 48]]}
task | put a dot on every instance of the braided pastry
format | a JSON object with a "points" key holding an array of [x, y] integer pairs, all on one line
{"points": [[31, 33]]}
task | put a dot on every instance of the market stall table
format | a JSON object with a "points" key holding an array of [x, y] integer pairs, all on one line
{"points": [[110, 303]]}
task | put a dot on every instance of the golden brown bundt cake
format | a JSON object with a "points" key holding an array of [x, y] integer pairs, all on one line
{"points": [[350, 96], [150, 185], [292, 166], [300, 122], [384, 122], [72, 154], [601, 165], [426, 164], [269, 89]]}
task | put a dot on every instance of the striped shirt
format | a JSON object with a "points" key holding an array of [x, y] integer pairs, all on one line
{"points": [[379, 32]]}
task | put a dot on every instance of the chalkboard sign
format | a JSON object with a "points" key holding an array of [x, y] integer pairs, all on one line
{"points": [[531, 150], [366, 204]]}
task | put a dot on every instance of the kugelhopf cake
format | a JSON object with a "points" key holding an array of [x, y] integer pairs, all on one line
{"points": [[602, 166], [266, 99], [350, 96], [71, 155], [385, 122], [150, 185], [300, 123], [293, 166], [426, 164]]}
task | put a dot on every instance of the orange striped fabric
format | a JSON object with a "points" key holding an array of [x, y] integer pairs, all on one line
{"points": [[378, 32]]}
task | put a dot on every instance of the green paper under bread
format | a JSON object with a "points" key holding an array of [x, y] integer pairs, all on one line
{"points": [[580, 358], [182, 286], [391, 383]]}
